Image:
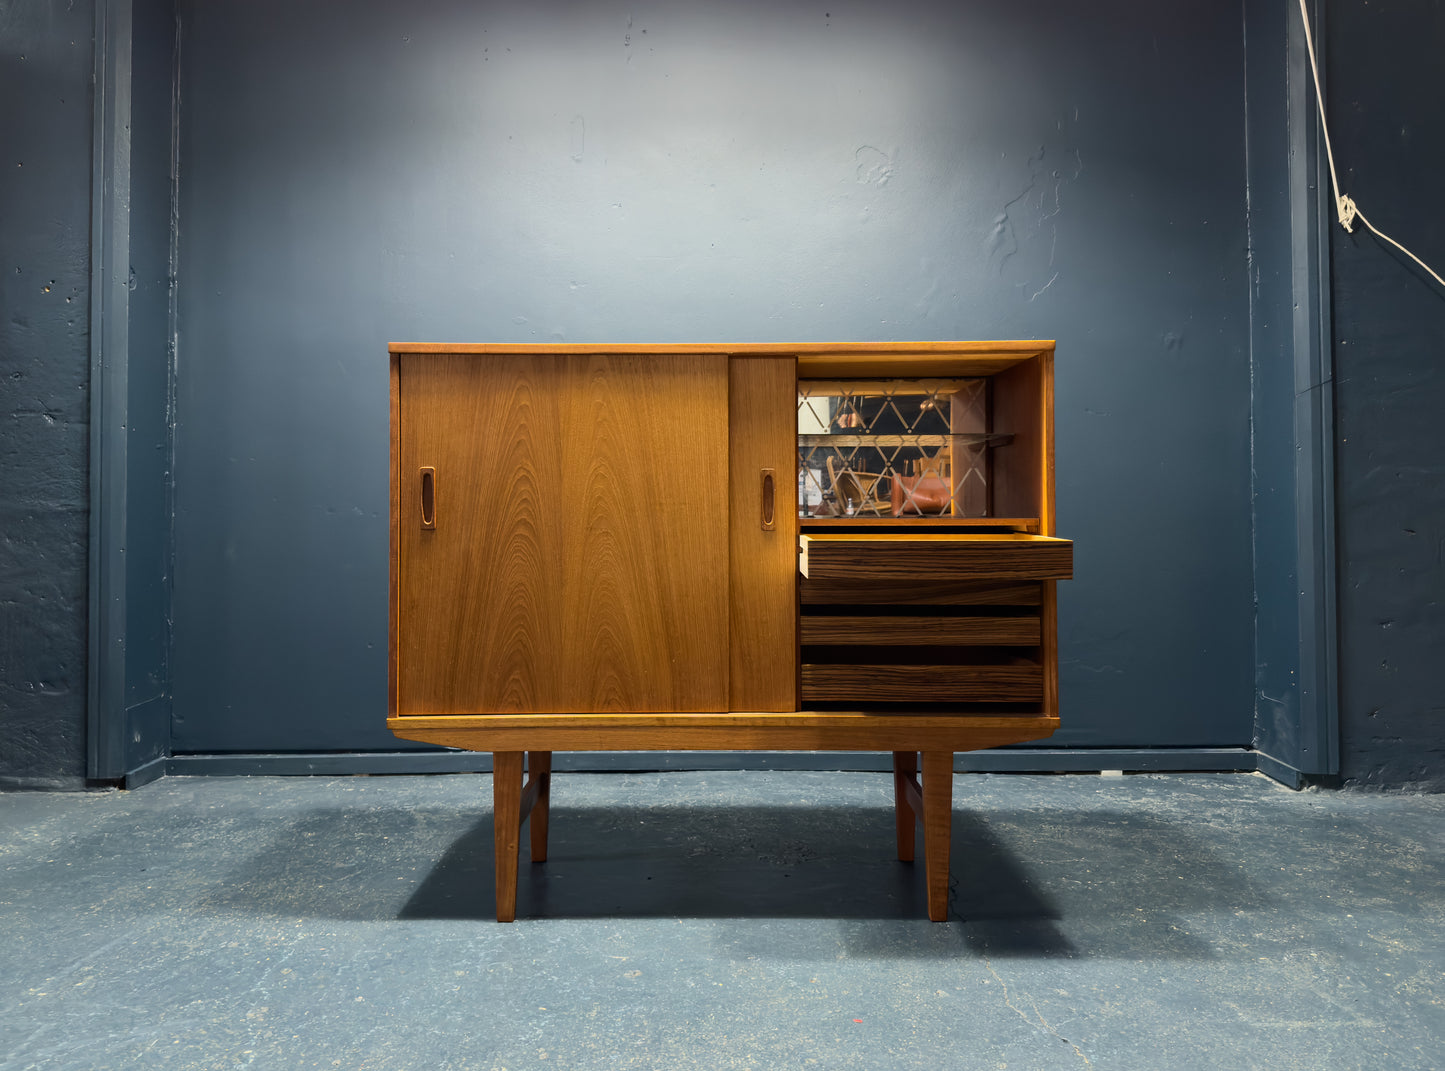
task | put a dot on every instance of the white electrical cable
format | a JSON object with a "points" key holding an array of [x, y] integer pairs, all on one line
{"points": [[1345, 208]]}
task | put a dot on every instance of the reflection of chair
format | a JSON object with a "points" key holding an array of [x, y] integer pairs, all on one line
{"points": [[858, 490], [927, 492]]}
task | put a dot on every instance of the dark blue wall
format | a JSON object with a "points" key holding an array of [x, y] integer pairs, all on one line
{"points": [[362, 175], [149, 552], [1296, 731], [45, 153], [359, 172], [1388, 129], [1271, 253]]}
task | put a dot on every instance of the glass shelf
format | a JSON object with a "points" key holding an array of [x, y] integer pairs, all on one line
{"points": [[840, 440], [944, 523]]}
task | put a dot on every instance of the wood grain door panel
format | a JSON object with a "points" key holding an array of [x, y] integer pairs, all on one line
{"points": [[764, 588], [579, 559]]}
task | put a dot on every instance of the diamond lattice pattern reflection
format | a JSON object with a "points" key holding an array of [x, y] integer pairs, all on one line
{"points": [[893, 448]]}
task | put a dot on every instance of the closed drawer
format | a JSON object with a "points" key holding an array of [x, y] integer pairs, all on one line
{"points": [[889, 630], [926, 556], [1021, 682]]}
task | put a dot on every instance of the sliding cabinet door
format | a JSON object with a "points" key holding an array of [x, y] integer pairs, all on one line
{"points": [[763, 466], [564, 533]]}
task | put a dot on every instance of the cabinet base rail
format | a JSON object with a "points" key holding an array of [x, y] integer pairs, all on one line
{"points": [[802, 731]]}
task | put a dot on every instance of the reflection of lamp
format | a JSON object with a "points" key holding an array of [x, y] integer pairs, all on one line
{"points": [[810, 479], [810, 421]]}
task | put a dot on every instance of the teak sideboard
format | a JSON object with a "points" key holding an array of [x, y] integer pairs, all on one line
{"points": [[703, 547]]}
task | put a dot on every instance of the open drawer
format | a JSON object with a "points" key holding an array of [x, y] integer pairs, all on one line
{"points": [[927, 556]]}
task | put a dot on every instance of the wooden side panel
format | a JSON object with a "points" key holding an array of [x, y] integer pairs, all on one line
{"points": [[579, 559], [763, 561], [1046, 439], [394, 567], [1049, 648], [972, 483], [1019, 469]]}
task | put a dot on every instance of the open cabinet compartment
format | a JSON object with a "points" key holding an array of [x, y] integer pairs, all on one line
{"points": [[933, 439], [926, 556]]}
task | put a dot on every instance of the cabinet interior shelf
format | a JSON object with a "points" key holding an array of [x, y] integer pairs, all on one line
{"points": [[962, 439], [1001, 524]]}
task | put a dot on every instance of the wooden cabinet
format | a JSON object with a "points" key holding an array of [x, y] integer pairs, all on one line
{"points": [[711, 547]]}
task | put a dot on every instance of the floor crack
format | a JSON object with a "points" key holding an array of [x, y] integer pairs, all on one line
{"points": [[1042, 1022]]}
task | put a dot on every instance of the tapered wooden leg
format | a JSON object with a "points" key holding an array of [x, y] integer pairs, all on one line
{"points": [[905, 766], [539, 769], [937, 828], [507, 827]]}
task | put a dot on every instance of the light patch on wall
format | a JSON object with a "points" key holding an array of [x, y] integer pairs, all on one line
{"points": [[579, 137]]}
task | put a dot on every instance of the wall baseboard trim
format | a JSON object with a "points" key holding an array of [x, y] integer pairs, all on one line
{"points": [[61, 783], [997, 760], [1279, 771], [151, 771]]}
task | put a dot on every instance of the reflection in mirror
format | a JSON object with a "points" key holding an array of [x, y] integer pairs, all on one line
{"points": [[894, 448]]}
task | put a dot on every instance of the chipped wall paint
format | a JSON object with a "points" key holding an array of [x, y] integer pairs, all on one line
{"points": [[45, 140]]}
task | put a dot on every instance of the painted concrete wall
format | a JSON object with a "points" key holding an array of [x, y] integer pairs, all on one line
{"points": [[1388, 131], [1273, 386], [1291, 385], [1388, 456], [360, 172], [149, 553], [45, 149], [977, 159]]}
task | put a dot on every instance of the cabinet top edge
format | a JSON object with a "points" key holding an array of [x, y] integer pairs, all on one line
{"points": [[807, 351]]}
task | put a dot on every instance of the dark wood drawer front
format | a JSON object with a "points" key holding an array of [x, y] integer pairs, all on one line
{"points": [[871, 643], [890, 630], [851, 683], [935, 557], [819, 591]]}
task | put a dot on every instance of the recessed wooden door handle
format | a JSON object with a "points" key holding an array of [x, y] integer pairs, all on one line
{"points": [[770, 500], [428, 497]]}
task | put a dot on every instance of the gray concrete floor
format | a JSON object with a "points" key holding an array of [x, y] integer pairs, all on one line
{"points": [[722, 920]]}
